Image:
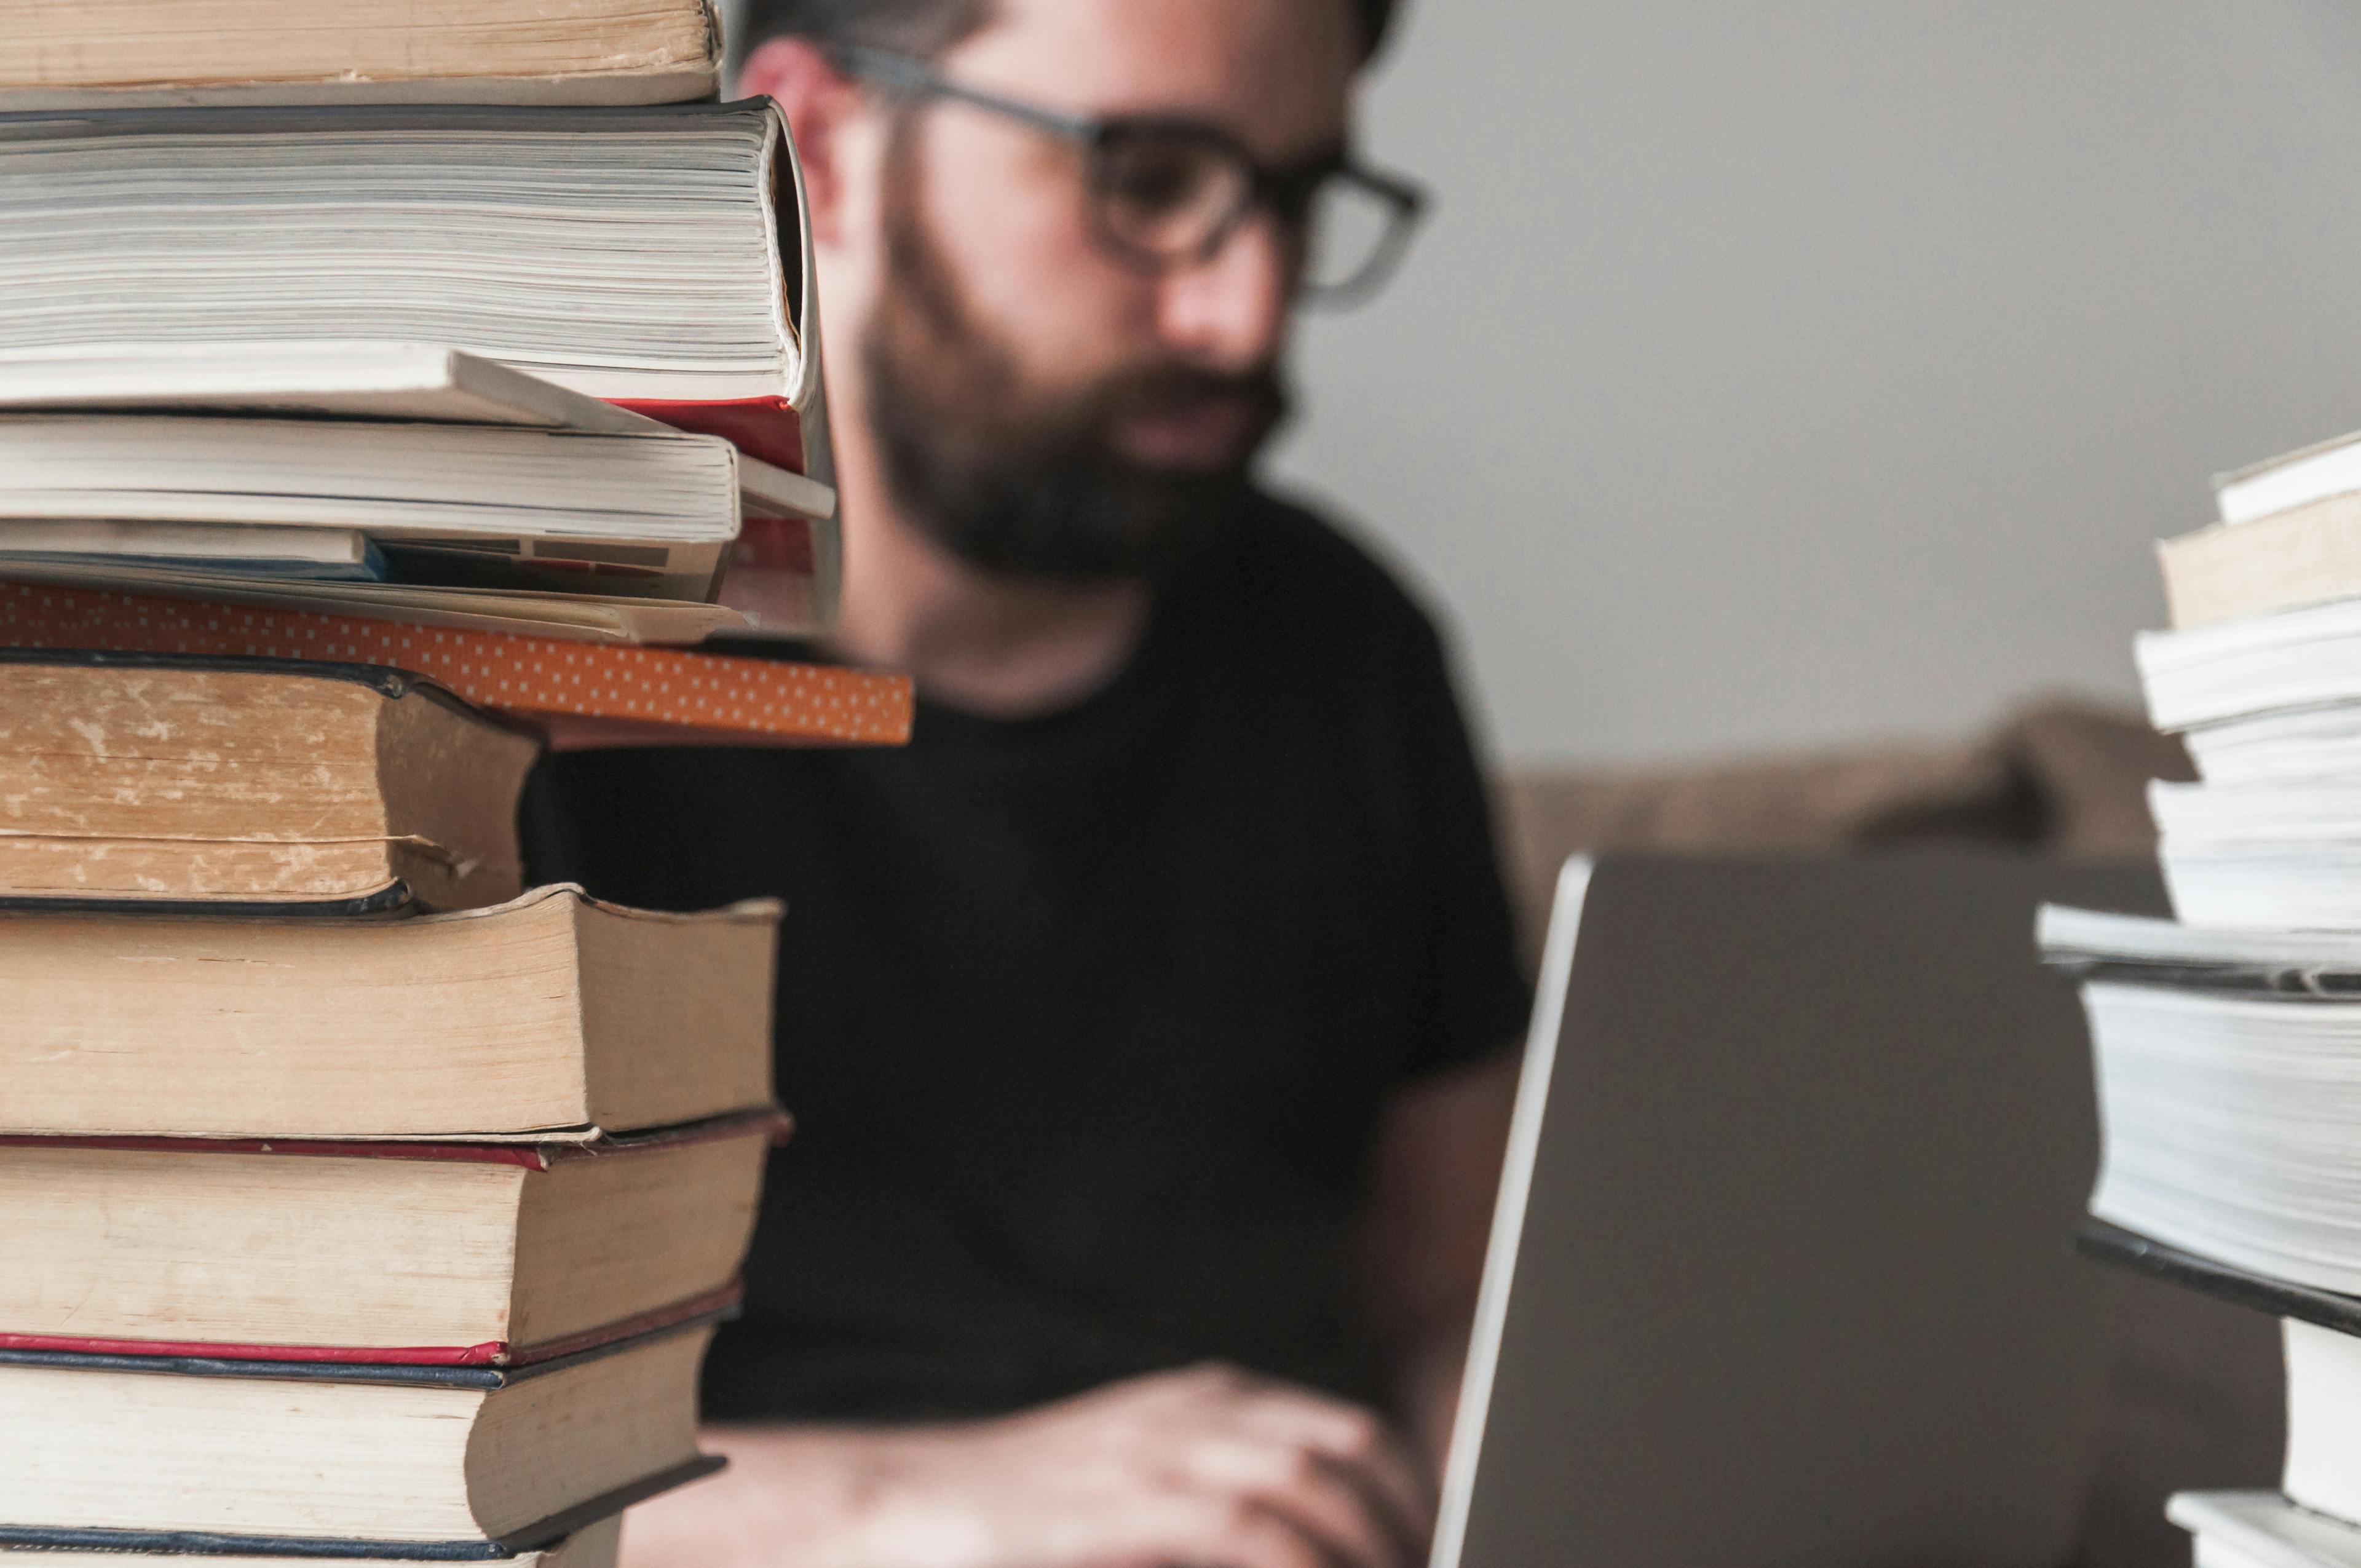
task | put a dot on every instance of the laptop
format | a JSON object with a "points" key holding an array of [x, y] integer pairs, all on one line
{"points": [[1782, 1270]]}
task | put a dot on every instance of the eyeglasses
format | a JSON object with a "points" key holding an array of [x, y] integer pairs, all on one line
{"points": [[1169, 191]]}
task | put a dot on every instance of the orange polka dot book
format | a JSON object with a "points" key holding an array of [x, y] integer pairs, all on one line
{"points": [[651, 694]]}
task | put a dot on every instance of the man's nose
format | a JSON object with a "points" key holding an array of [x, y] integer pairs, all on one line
{"points": [[1230, 311]]}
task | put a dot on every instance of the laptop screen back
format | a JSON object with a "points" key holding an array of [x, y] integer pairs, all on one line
{"points": [[1783, 1272]]}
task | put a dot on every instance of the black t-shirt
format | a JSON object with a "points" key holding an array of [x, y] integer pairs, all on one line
{"points": [[1086, 1020]]}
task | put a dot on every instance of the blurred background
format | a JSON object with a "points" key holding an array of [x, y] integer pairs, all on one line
{"points": [[1775, 378]]}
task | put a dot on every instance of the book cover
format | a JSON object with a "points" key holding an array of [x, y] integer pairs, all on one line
{"points": [[135, 777], [206, 1543], [712, 1306], [427, 1370], [770, 429], [638, 695], [538, 1533], [2129, 1249]]}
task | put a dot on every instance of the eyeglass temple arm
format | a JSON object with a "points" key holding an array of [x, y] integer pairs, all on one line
{"points": [[910, 74]]}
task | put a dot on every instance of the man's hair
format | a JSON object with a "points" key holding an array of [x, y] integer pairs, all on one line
{"points": [[927, 28]]}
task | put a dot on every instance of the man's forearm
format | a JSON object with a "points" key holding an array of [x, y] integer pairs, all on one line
{"points": [[811, 1496], [1426, 1390], [1202, 1465]]}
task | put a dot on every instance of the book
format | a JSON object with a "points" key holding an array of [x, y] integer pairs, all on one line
{"points": [[434, 452], [2323, 1419], [2278, 1297], [651, 513], [568, 616], [2262, 1530], [2307, 555], [595, 694], [310, 1459], [2227, 1090], [303, 378], [355, 379], [2289, 537], [270, 785], [2259, 665], [2277, 854], [2294, 745], [655, 258], [2283, 484], [75, 54], [552, 1017], [2098, 944], [102, 544], [417, 1253], [595, 1545]]}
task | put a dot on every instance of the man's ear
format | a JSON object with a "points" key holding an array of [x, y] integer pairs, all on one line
{"points": [[817, 101]]}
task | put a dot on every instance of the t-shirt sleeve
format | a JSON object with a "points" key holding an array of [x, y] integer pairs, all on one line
{"points": [[1473, 998]]}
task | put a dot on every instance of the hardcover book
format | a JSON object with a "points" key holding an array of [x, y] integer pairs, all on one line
{"points": [[261, 784], [2226, 1095], [636, 695], [310, 1459], [2240, 1287], [550, 1018], [73, 54], [418, 1254], [595, 1545]]}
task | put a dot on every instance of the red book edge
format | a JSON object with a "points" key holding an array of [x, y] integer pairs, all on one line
{"points": [[766, 428], [492, 1353], [772, 1122]]}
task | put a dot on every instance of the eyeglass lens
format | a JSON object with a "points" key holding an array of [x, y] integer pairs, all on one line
{"points": [[1169, 196], [1172, 197], [1354, 235]]}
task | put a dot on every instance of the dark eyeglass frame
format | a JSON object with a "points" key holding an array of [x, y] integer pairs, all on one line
{"points": [[1287, 192]]}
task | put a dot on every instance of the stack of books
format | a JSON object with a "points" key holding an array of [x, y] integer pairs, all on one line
{"points": [[330, 1233], [433, 313], [2228, 1042], [381, 391]]}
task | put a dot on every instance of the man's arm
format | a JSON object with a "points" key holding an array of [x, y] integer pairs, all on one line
{"points": [[1436, 1171]]}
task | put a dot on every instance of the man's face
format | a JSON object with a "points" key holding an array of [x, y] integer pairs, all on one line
{"points": [[1045, 406]]}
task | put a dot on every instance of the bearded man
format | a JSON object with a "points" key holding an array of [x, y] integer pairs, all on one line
{"points": [[1145, 1019]]}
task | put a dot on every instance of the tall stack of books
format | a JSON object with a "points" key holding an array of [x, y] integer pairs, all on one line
{"points": [[2228, 1042], [383, 392], [331, 1235]]}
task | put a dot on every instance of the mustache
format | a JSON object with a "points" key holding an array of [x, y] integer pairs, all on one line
{"points": [[1168, 388]]}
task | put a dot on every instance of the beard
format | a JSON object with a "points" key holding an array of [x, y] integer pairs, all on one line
{"points": [[1015, 481]]}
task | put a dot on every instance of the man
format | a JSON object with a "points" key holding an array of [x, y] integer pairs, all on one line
{"points": [[1143, 1019]]}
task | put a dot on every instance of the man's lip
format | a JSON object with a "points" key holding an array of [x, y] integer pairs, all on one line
{"points": [[1203, 432]]}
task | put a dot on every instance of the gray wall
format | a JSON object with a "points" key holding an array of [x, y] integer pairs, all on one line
{"points": [[1776, 374], [1780, 374]]}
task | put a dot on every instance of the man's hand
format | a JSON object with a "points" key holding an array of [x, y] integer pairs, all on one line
{"points": [[1207, 1468]]}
